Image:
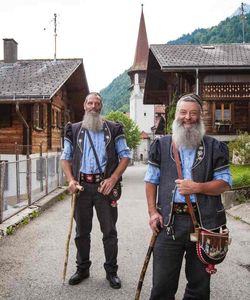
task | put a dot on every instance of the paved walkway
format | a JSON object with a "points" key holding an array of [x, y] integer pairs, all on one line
{"points": [[241, 212], [31, 261]]}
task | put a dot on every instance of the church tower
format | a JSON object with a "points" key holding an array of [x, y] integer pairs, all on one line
{"points": [[142, 115]]}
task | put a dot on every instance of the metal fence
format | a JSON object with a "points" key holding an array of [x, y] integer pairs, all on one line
{"points": [[26, 180]]}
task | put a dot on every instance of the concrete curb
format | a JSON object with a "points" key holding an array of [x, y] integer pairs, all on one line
{"points": [[240, 212], [9, 226]]}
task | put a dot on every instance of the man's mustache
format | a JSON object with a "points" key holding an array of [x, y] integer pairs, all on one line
{"points": [[93, 111]]}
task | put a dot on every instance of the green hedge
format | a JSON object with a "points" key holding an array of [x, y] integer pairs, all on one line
{"points": [[241, 175]]}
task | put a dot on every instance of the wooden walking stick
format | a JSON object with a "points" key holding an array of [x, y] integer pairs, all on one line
{"points": [[73, 205], [145, 266]]}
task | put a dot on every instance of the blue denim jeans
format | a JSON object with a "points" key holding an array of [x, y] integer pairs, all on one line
{"points": [[167, 260]]}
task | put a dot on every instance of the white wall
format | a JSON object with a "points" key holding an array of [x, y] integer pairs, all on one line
{"points": [[143, 149], [142, 115]]}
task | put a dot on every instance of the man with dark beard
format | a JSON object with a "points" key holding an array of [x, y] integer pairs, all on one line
{"points": [[83, 166], [205, 169]]}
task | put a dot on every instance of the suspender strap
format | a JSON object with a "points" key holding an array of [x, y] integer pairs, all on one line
{"points": [[187, 197], [95, 154]]}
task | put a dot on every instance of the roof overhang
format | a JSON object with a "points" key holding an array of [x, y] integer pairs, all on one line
{"points": [[203, 68], [27, 99]]}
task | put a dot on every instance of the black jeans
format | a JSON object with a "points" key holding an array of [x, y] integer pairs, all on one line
{"points": [[167, 260], [107, 216]]}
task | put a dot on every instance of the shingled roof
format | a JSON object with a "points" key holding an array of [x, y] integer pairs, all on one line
{"points": [[31, 79], [202, 56]]}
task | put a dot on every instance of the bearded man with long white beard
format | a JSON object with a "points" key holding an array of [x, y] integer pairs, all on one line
{"points": [[205, 169], [95, 156]]}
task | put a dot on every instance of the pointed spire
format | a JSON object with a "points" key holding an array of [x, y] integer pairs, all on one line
{"points": [[141, 52]]}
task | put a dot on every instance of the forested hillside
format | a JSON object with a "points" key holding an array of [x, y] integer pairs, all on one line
{"points": [[116, 95], [228, 31]]}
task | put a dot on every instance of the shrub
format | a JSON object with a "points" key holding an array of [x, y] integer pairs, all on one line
{"points": [[239, 149]]}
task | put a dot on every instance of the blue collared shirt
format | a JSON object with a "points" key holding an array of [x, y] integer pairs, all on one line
{"points": [[89, 165], [187, 158]]}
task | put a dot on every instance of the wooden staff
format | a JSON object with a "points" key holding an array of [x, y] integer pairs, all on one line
{"points": [[145, 266], [73, 205]]}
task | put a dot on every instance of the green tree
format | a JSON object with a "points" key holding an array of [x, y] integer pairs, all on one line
{"points": [[170, 114], [131, 130]]}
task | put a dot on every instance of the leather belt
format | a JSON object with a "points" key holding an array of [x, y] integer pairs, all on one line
{"points": [[91, 178], [182, 208]]}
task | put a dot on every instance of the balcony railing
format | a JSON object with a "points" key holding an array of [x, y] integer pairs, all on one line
{"points": [[226, 91]]}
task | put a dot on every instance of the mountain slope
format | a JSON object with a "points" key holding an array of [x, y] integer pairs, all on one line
{"points": [[227, 31], [116, 95]]}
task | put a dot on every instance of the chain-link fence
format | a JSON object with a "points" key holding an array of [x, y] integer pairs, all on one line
{"points": [[26, 180]]}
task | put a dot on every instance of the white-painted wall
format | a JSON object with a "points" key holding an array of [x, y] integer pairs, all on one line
{"points": [[142, 150], [142, 115]]}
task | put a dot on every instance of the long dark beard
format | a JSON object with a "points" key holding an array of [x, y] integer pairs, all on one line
{"points": [[188, 137], [92, 121]]}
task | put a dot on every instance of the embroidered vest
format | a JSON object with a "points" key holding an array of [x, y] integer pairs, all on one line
{"points": [[211, 155], [75, 134]]}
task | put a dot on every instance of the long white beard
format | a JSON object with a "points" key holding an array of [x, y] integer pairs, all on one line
{"points": [[188, 137], [92, 121]]}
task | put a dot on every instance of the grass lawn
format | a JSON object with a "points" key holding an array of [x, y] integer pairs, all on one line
{"points": [[241, 175]]}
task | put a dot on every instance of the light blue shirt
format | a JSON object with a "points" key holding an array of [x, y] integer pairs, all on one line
{"points": [[187, 158], [88, 163]]}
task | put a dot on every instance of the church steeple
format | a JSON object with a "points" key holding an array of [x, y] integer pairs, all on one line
{"points": [[142, 115], [141, 53]]}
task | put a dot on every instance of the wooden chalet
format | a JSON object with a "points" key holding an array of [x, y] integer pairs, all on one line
{"points": [[220, 74], [37, 98]]}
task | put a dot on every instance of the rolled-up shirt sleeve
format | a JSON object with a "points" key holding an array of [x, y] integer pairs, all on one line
{"points": [[67, 153], [152, 174], [224, 175], [153, 170], [122, 148]]}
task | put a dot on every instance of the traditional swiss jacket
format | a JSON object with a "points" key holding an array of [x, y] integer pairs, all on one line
{"points": [[75, 134], [211, 156]]}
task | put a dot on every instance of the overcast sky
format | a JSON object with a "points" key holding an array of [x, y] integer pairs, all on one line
{"points": [[103, 32]]}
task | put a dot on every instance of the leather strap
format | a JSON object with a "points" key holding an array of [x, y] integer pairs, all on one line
{"points": [[95, 154], [187, 197]]}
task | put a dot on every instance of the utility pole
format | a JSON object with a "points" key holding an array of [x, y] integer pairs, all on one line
{"points": [[55, 35], [243, 21]]}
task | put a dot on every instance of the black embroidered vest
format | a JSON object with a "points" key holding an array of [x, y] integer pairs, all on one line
{"points": [[211, 155], [74, 133]]}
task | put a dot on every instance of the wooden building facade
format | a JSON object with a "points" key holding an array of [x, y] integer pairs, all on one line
{"points": [[37, 98], [220, 74]]}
